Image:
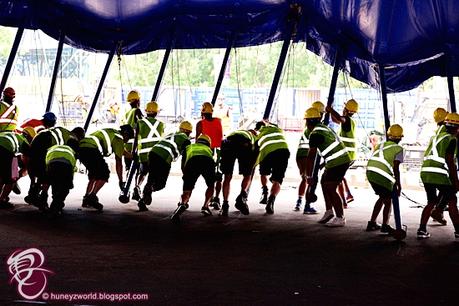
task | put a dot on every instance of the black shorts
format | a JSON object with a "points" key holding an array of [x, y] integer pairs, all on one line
{"points": [[5, 166], [60, 174], [276, 163], [95, 163], [381, 191], [237, 149], [335, 174], [159, 171], [196, 166], [447, 193]]}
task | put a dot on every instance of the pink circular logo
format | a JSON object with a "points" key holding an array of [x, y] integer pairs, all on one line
{"points": [[25, 268]]}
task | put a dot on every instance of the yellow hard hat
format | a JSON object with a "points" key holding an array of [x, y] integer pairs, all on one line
{"points": [[204, 139], [30, 131], [352, 106], [133, 96], [151, 107], [440, 114], [312, 113], [395, 131], [207, 108], [186, 125], [319, 106], [452, 119]]}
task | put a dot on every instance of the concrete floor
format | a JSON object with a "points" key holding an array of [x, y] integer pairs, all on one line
{"points": [[283, 259]]}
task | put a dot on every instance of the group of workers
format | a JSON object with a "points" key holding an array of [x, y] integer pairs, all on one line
{"points": [[48, 154]]}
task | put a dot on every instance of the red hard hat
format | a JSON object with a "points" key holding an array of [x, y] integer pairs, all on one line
{"points": [[9, 92]]}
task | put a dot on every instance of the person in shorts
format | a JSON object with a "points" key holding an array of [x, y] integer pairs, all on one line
{"points": [[197, 161], [383, 173]]}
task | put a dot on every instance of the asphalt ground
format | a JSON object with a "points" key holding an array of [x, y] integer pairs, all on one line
{"points": [[281, 259]]}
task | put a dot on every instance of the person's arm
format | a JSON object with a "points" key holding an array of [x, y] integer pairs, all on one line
{"points": [[198, 130], [335, 116]]}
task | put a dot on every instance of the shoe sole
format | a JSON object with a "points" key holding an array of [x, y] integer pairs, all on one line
{"points": [[326, 219], [206, 213], [243, 209]]}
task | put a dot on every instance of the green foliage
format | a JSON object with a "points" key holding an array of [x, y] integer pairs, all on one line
{"points": [[250, 66], [6, 40]]}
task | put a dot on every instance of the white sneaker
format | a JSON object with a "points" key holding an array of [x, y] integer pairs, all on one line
{"points": [[337, 222], [328, 215]]}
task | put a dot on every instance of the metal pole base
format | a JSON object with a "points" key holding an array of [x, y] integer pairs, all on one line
{"points": [[124, 198], [399, 234]]}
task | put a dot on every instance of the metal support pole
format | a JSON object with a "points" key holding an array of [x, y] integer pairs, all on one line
{"points": [[9, 63], [99, 88], [334, 81], [222, 71], [57, 63], [277, 75], [452, 97], [159, 80], [382, 84]]}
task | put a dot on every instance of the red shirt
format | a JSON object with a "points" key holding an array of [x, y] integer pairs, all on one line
{"points": [[213, 129], [37, 124]]}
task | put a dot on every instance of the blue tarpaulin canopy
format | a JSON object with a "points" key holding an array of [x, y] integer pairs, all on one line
{"points": [[412, 39]]}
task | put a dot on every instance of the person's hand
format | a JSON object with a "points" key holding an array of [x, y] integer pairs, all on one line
{"points": [[328, 109]]}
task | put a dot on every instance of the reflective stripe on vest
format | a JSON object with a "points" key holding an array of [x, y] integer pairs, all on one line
{"points": [[383, 173], [57, 135], [245, 134], [378, 156], [107, 141], [10, 109], [435, 170], [264, 144], [153, 128], [9, 121], [13, 140], [62, 150], [97, 141], [304, 143], [333, 145], [433, 155]]}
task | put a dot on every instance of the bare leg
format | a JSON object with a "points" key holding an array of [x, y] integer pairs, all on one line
{"points": [[97, 186], [275, 189], [334, 198], [347, 190], [426, 214], [378, 205], [5, 191], [186, 196], [264, 180], [209, 193], [387, 209], [340, 190], [218, 188], [227, 186], [245, 184]]}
